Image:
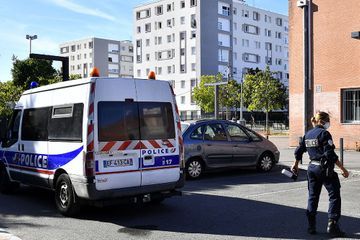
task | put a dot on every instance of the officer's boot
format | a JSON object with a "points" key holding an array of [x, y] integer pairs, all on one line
{"points": [[334, 230], [312, 223]]}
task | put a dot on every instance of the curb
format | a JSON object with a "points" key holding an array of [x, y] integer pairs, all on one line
{"points": [[4, 235]]}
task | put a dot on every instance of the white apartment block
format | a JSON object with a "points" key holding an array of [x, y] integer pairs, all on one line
{"points": [[112, 58], [184, 39]]}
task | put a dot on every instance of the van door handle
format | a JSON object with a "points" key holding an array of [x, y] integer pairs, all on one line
{"points": [[22, 147], [19, 149]]}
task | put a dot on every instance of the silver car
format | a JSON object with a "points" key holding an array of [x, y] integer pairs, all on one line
{"points": [[212, 144]]}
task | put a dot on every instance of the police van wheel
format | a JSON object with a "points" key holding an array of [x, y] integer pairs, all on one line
{"points": [[194, 168], [65, 197], [6, 186], [265, 162]]}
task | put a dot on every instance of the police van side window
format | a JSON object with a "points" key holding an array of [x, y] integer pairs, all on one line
{"points": [[65, 123], [13, 129], [118, 121], [156, 120], [35, 124]]}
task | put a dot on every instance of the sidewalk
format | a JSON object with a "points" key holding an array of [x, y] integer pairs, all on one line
{"points": [[7, 236], [351, 158]]}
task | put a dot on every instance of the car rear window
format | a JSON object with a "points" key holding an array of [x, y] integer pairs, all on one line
{"points": [[121, 121]]}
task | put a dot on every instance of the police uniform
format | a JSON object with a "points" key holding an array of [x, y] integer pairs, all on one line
{"points": [[319, 145]]}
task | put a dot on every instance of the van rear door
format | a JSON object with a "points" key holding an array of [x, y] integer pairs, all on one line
{"points": [[117, 132], [159, 145]]}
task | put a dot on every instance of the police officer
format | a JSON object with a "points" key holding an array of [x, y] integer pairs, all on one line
{"points": [[320, 147]]}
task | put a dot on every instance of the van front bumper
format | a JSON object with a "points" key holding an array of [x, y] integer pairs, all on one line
{"points": [[85, 189]]}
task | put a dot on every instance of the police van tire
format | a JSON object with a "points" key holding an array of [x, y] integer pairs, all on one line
{"points": [[194, 168], [65, 196], [6, 186], [265, 162]]}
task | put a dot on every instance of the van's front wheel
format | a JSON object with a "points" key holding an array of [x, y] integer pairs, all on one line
{"points": [[65, 197], [6, 186]]}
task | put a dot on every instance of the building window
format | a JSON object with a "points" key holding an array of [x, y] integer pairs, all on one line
{"points": [[193, 34], [279, 22], [193, 83], [182, 83], [251, 29], [267, 32], [234, 11], [182, 4], [159, 10], [193, 3], [256, 16], [182, 20], [73, 49], [250, 57], [182, 99], [245, 43], [64, 49], [148, 27], [350, 105], [138, 72], [138, 29], [193, 50], [143, 14], [90, 45], [278, 35], [147, 57], [169, 69], [225, 11], [147, 41], [193, 67], [245, 13]]}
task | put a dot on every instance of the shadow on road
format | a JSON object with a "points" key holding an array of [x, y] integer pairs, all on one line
{"points": [[192, 213]]}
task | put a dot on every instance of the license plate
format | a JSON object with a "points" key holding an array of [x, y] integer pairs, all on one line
{"points": [[118, 163]]}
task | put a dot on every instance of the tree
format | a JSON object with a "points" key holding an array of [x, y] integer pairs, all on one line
{"points": [[264, 92], [230, 94], [9, 94], [204, 95], [26, 71]]}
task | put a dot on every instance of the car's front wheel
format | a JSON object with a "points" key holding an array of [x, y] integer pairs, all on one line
{"points": [[265, 163], [194, 168]]}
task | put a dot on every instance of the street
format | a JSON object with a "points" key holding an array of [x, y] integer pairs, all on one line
{"points": [[225, 205]]}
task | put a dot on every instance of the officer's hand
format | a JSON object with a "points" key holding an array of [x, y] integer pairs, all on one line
{"points": [[344, 172], [295, 168]]}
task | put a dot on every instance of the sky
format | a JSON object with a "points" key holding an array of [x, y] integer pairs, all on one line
{"points": [[58, 21]]}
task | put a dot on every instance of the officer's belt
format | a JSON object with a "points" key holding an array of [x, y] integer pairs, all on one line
{"points": [[314, 162]]}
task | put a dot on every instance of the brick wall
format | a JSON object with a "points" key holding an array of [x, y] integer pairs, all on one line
{"points": [[336, 64]]}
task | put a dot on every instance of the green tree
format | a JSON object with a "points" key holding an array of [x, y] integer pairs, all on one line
{"points": [[26, 71], [9, 94], [264, 92], [74, 76], [204, 95], [230, 94]]}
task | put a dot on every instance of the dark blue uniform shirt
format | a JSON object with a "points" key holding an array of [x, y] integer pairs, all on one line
{"points": [[319, 144]]}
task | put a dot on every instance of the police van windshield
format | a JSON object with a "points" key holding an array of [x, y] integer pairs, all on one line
{"points": [[121, 121]]}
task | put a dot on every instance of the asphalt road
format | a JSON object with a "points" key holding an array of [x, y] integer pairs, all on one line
{"points": [[237, 204]]}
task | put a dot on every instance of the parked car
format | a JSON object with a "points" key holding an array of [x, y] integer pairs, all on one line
{"points": [[213, 144]]}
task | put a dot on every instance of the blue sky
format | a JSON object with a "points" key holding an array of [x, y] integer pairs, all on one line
{"points": [[57, 21]]}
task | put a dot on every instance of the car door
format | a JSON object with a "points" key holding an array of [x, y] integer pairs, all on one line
{"points": [[218, 149], [244, 150]]}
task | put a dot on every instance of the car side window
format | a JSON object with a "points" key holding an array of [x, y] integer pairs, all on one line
{"points": [[254, 136], [197, 134], [13, 129], [236, 133], [215, 132]]}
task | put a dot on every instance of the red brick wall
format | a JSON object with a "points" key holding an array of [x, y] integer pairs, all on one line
{"points": [[336, 64]]}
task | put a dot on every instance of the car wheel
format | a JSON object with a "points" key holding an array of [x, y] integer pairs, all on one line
{"points": [[6, 186], [65, 197], [265, 162], [194, 168]]}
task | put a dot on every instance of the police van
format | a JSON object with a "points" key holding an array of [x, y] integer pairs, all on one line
{"points": [[95, 140]]}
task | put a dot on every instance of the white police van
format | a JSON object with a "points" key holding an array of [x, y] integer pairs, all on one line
{"points": [[95, 140]]}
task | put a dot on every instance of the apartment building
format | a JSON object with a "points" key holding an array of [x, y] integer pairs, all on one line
{"points": [[113, 58], [183, 40], [335, 74]]}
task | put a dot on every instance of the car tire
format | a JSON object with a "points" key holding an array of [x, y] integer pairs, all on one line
{"points": [[194, 168], [65, 196], [265, 163], [6, 186]]}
